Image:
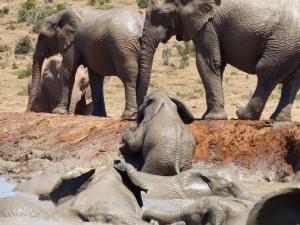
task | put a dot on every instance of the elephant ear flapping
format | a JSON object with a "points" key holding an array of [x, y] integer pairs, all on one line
{"points": [[70, 184], [69, 25], [193, 15], [184, 113]]}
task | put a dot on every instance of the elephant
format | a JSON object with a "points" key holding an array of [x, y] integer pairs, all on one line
{"points": [[81, 98], [277, 208], [98, 39], [189, 184], [259, 37], [161, 135]]}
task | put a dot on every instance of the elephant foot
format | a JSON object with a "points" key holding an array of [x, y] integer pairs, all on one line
{"points": [[60, 110], [281, 117], [244, 113], [212, 115], [129, 114]]}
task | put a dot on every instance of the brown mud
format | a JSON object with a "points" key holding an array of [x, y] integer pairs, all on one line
{"points": [[31, 143]]}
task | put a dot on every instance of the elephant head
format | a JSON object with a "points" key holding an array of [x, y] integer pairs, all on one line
{"points": [[165, 18], [155, 101], [57, 34]]}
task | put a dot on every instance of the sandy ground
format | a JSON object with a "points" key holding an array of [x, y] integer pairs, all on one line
{"points": [[183, 83]]}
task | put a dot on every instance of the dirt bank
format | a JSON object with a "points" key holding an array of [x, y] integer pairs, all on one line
{"points": [[31, 143]]}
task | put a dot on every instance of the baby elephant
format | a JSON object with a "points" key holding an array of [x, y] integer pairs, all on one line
{"points": [[166, 143], [50, 89]]}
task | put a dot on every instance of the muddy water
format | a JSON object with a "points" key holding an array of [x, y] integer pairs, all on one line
{"points": [[6, 189]]}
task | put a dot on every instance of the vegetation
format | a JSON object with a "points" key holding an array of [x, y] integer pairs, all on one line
{"points": [[22, 73], [298, 96], [11, 26], [185, 52], [32, 14], [14, 66], [142, 3], [4, 11], [4, 48], [23, 45], [22, 91]]}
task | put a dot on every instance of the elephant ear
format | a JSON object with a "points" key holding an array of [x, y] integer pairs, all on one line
{"points": [[193, 15], [278, 208], [68, 27], [69, 185], [184, 113], [149, 108]]}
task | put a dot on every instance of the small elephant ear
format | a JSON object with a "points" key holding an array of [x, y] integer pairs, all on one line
{"points": [[278, 208], [184, 113], [193, 15], [70, 184], [69, 23], [149, 109]]}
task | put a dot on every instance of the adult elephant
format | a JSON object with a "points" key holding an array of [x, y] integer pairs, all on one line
{"points": [[51, 88], [107, 42], [259, 37]]}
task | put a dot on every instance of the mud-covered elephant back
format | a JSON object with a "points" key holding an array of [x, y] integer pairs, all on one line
{"points": [[193, 15]]}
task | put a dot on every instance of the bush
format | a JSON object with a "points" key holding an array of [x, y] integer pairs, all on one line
{"points": [[22, 73], [92, 2], [23, 46], [22, 91], [32, 14], [143, 3], [11, 26], [14, 66], [184, 52], [4, 47]]}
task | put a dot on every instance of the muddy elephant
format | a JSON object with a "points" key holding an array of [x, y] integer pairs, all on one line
{"points": [[161, 135], [101, 41], [281, 207], [258, 37], [51, 88]]}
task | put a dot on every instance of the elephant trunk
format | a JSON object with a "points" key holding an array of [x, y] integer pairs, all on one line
{"points": [[149, 43], [34, 95], [163, 217]]}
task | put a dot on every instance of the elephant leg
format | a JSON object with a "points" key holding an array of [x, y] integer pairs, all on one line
{"points": [[67, 73], [289, 91], [96, 83], [271, 69], [129, 71], [211, 68], [254, 108]]}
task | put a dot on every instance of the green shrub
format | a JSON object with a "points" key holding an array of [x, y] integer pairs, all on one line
{"points": [[143, 3], [23, 46], [22, 73], [298, 96], [22, 91], [92, 2], [184, 52], [14, 66], [32, 14], [11, 26], [4, 48]]}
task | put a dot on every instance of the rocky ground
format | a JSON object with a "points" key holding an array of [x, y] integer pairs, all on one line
{"points": [[31, 143]]}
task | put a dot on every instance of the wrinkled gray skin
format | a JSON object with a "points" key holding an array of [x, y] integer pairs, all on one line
{"points": [[259, 37], [161, 135], [51, 88], [278, 208], [105, 43], [190, 184]]}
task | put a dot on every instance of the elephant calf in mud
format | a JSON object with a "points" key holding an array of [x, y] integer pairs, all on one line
{"points": [[161, 135], [120, 195], [51, 88]]}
